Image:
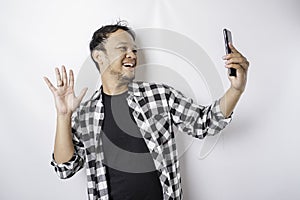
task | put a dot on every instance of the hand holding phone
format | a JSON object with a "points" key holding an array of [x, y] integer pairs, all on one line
{"points": [[228, 39]]}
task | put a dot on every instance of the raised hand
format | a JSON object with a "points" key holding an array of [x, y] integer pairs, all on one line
{"points": [[237, 61], [65, 100]]}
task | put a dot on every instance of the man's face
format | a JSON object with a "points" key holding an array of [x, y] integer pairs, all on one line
{"points": [[120, 59]]}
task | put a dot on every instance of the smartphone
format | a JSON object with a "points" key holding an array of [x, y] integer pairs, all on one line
{"points": [[228, 39]]}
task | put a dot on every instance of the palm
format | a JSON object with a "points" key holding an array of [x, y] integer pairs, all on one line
{"points": [[65, 100]]}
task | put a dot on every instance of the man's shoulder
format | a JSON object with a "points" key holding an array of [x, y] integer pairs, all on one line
{"points": [[148, 86], [142, 88]]}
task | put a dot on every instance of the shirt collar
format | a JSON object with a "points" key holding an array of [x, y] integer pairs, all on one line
{"points": [[133, 89]]}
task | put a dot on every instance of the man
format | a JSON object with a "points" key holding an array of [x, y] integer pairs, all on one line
{"points": [[124, 119]]}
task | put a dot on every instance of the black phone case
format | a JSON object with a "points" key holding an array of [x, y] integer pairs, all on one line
{"points": [[228, 39]]}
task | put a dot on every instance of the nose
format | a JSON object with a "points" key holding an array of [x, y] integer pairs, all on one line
{"points": [[131, 54]]}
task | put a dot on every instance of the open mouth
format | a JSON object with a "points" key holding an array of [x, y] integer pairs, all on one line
{"points": [[129, 65]]}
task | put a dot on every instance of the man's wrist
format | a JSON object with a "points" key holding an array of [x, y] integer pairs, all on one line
{"points": [[235, 92], [64, 115]]}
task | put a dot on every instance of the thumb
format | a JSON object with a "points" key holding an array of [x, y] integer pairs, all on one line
{"points": [[82, 93]]}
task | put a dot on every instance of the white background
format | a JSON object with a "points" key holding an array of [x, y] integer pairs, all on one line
{"points": [[258, 154]]}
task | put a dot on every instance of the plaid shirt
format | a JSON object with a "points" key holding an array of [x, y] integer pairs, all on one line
{"points": [[156, 109]]}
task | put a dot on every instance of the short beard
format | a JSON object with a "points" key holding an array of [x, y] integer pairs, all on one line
{"points": [[126, 79], [123, 79]]}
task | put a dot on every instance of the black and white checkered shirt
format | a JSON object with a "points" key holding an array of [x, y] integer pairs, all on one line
{"points": [[156, 109]]}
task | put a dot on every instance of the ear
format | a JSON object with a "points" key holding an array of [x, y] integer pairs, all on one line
{"points": [[98, 57]]}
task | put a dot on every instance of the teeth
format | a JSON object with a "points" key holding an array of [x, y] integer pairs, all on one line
{"points": [[128, 64]]}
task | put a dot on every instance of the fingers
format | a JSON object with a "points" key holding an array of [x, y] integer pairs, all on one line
{"points": [[245, 64], [233, 49], [51, 87], [236, 58], [64, 76], [235, 66], [61, 79], [71, 79], [58, 77]]}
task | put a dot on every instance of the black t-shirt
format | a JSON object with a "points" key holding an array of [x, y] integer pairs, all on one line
{"points": [[130, 171]]}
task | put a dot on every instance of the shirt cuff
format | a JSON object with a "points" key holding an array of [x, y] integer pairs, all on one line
{"points": [[218, 121], [217, 110], [68, 164]]}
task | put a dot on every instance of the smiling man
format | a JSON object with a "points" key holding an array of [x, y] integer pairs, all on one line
{"points": [[123, 134]]}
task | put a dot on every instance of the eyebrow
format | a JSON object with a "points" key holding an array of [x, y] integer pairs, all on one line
{"points": [[126, 44]]}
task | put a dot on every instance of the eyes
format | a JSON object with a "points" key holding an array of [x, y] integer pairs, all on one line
{"points": [[125, 49]]}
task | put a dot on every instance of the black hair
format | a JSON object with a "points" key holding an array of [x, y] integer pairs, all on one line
{"points": [[103, 33]]}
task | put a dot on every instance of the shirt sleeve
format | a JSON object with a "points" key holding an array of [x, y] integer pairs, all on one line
{"points": [[196, 120], [68, 169]]}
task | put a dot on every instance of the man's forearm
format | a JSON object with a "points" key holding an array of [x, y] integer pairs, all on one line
{"points": [[63, 147], [229, 101]]}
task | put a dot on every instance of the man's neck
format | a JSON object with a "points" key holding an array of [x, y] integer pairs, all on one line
{"points": [[113, 88]]}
